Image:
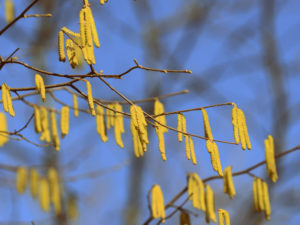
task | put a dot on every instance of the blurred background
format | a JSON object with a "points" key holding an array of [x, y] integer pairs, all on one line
{"points": [[244, 51]]}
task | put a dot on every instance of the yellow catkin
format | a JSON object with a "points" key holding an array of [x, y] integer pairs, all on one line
{"points": [[192, 149], [100, 123], [21, 179], [72, 210], [93, 27], [260, 194], [241, 129], [102, 2], [223, 215], [179, 127], [207, 129], [75, 105], [90, 98], [61, 47], [44, 194], [40, 86], [184, 218], [196, 191], [110, 115], [266, 198], [54, 189], [157, 206], [6, 98], [187, 147], [55, 137], [210, 205], [270, 158], [64, 121], [255, 195], [119, 125], [82, 15], [68, 31], [34, 182], [9, 11], [138, 127], [71, 54], [37, 119], [228, 182], [45, 125], [247, 139], [3, 128], [213, 150], [235, 124]]}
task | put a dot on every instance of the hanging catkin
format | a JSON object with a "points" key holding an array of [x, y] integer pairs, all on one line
{"points": [[71, 54], [179, 126], [21, 179], [223, 215], [207, 129], [101, 130], [270, 158], [37, 119], [102, 2], [210, 205], [55, 137], [157, 200], [45, 136], [119, 125], [228, 185], [90, 98], [75, 105], [40, 86], [235, 124], [54, 189], [61, 47], [44, 194], [93, 27], [192, 150], [196, 191], [3, 129], [9, 11], [110, 115], [34, 182], [6, 98], [213, 150], [266, 198], [243, 130], [64, 121]]}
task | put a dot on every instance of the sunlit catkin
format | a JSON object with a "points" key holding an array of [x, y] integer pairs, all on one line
{"points": [[75, 105], [55, 137], [3, 129], [61, 47], [40, 86], [6, 98], [270, 158], [213, 150], [37, 119], [21, 179], [243, 130], [34, 182], [71, 54], [196, 191], [101, 130], [179, 126], [44, 194], [45, 136], [9, 11], [93, 27], [255, 195], [207, 129], [119, 124], [90, 98], [64, 121], [266, 198], [228, 182], [192, 150], [110, 116], [157, 203], [260, 194], [235, 124], [184, 218], [210, 205], [54, 189], [223, 215]]}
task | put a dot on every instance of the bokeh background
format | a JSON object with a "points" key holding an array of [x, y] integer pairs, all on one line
{"points": [[244, 51]]}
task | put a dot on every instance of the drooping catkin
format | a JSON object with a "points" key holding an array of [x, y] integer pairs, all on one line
{"points": [[260, 194], [192, 150], [101, 130], [9, 11], [3, 129], [110, 116], [196, 191], [223, 215], [179, 126], [93, 27], [207, 128], [64, 121], [210, 205], [34, 182], [90, 98], [61, 46], [255, 195], [119, 124], [267, 208], [71, 54], [235, 124], [243, 131], [21, 179], [54, 189], [187, 147], [213, 150], [37, 119], [45, 136], [228, 182], [75, 105], [40, 86], [44, 194], [270, 158], [184, 218], [55, 137], [157, 200], [7, 102], [82, 21]]}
